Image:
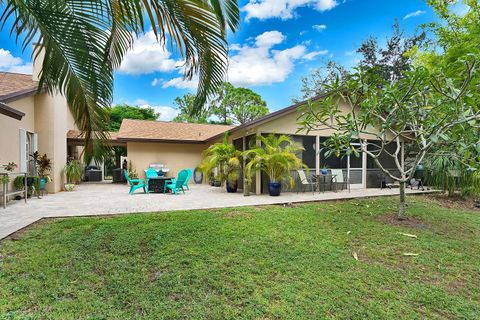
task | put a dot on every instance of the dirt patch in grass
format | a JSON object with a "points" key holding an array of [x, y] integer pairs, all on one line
{"points": [[410, 222], [455, 202], [237, 214]]}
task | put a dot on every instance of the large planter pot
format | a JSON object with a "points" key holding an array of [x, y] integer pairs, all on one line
{"points": [[232, 187], [42, 184], [217, 183], [274, 188], [69, 186]]}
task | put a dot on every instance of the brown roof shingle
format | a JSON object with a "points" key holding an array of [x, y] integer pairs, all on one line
{"points": [[13, 85], [74, 134], [160, 131]]}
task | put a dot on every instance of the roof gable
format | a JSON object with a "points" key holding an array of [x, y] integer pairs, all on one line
{"points": [[161, 131], [14, 86]]}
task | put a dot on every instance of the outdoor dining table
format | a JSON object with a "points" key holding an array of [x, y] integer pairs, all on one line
{"points": [[157, 184], [325, 178]]}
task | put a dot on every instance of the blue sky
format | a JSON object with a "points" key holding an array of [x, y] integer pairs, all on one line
{"points": [[278, 43]]}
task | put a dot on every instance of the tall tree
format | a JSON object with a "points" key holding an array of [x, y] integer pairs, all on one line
{"points": [[422, 109], [457, 41], [219, 103], [84, 41], [186, 105], [391, 62], [238, 105], [124, 111], [245, 105]]}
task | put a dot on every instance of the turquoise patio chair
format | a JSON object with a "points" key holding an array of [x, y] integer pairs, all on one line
{"points": [[136, 183], [190, 173], [150, 173], [177, 184]]}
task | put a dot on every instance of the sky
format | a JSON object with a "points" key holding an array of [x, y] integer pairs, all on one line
{"points": [[278, 43]]}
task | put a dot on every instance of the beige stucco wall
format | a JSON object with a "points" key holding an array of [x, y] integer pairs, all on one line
{"points": [[176, 156], [10, 129], [52, 121]]}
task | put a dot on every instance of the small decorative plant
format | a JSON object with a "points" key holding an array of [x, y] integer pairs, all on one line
{"points": [[10, 166], [73, 172], [4, 179], [43, 164], [132, 173]]}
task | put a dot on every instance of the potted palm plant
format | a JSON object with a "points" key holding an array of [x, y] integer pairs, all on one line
{"points": [[222, 160], [43, 164], [276, 156], [73, 172]]}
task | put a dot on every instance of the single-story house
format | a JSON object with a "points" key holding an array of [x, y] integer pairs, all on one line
{"points": [[180, 145], [36, 121]]}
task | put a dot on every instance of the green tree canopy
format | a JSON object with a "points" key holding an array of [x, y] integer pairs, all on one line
{"points": [[185, 105], [391, 62], [237, 105], [229, 105], [124, 111]]}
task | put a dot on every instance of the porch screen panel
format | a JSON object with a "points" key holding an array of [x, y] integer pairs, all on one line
{"points": [[331, 162], [309, 154]]}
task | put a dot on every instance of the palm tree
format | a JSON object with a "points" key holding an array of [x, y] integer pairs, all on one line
{"points": [[276, 156], [226, 159], [84, 41]]}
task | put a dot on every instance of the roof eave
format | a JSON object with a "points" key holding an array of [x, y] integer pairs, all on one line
{"points": [[161, 140], [18, 95], [11, 112]]}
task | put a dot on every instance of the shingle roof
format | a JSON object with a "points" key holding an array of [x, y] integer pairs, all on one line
{"points": [[160, 131], [15, 85], [77, 135]]}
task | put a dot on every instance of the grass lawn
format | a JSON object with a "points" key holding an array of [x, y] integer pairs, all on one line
{"points": [[256, 262]]}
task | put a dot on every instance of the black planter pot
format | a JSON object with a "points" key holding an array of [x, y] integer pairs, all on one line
{"points": [[217, 184], [274, 188], [232, 187]]}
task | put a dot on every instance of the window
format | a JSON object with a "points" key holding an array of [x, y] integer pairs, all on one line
{"points": [[28, 145]]}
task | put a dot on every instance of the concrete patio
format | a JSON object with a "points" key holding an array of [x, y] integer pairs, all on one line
{"points": [[107, 199]]}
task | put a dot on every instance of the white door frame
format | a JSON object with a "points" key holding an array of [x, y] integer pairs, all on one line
{"points": [[362, 185]]}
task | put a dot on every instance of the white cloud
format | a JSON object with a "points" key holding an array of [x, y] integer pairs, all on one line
{"points": [[283, 9], [269, 38], [414, 14], [157, 82], [9, 63], [258, 63], [319, 27], [181, 83], [147, 56], [166, 113], [314, 54]]}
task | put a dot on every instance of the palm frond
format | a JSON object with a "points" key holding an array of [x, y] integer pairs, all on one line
{"points": [[83, 41]]}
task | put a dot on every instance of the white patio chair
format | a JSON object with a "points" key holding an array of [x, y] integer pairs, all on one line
{"points": [[339, 179], [306, 182]]}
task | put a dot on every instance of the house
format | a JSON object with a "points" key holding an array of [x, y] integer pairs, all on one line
{"points": [[33, 121], [180, 145]]}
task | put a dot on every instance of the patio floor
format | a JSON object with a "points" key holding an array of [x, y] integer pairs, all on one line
{"points": [[105, 199]]}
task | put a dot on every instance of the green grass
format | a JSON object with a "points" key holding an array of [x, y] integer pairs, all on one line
{"points": [[254, 262]]}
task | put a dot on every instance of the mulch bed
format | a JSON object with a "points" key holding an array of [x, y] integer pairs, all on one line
{"points": [[411, 222]]}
